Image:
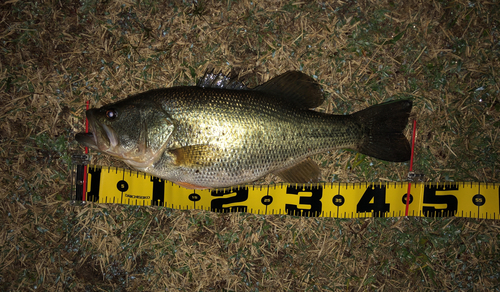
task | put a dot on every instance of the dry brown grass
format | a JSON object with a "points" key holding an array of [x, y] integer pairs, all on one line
{"points": [[55, 55]]}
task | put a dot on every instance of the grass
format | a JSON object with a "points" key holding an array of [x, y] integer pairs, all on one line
{"points": [[57, 55]]}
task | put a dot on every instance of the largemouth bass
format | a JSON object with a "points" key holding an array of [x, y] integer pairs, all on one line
{"points": [[221, 133]]}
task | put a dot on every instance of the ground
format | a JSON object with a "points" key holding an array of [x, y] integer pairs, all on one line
{"points": [[56, 55]]}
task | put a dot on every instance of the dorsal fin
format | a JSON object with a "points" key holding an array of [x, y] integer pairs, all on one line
{"points": [[219, 80], [296, 87]]}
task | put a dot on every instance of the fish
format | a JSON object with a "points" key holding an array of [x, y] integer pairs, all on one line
{"points": [[220, 133]]}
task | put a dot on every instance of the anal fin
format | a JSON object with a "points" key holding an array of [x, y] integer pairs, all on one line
{"points": [[306, 171]]}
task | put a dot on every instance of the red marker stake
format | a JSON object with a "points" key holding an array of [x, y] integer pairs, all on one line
{"points": [[411, 164], [84, 196]]}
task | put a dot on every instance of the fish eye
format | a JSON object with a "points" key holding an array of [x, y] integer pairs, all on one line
{"points": [[111, 114]]}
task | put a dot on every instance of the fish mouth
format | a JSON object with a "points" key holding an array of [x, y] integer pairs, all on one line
{"points": [[100, 137], [87, 140]]}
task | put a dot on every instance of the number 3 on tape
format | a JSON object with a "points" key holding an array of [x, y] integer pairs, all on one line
{"points": [[311, 202]]}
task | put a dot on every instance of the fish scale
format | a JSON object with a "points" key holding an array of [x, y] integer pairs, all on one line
{"points": [[259, 136]]}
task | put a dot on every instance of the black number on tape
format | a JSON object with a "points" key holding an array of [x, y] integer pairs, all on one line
{"points": [[431, 196], [194, 197], [158, 191], [314, 201], [95, 183], [478, 200], [122, 186], [405, 196], [379, 207], [266, 200], [79, 182], [338, 200], [217, 205]]}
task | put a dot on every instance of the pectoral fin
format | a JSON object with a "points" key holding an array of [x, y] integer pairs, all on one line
{"points": [[306, 171], [195, 155]]}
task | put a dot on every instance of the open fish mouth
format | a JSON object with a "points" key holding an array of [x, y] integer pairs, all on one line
{"points": [[87, 140], [100, 137]]}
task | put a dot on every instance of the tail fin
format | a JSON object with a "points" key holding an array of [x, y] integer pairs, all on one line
{"points": [[383, 125]]}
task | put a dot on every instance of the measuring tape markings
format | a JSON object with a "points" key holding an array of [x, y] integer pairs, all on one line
{"points": [[341, 200]]}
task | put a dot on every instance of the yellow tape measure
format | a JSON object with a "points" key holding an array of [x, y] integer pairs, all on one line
{"points": [[339, 200]]}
